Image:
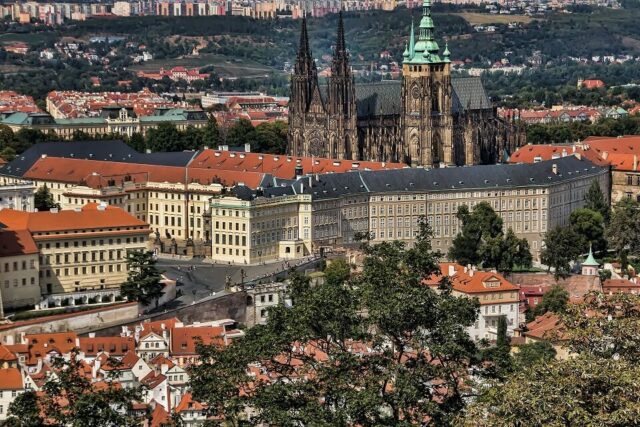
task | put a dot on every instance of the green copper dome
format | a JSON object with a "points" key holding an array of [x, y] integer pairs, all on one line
{"points": [[425, 50], [590, 261]]}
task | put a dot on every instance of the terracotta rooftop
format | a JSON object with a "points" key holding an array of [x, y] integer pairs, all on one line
{"points": [[7, 355], [478, 282], [546, 327], [115, 346], [91, 216], [39, 345], [10, 379], [16, 242], [188, 404], [184, 340]]}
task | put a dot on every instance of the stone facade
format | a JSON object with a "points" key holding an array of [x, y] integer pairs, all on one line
{"points": [[429, 119]]}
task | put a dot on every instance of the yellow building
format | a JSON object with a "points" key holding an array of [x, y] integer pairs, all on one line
{"points": [[249, 228], [19, 286], [81, 249]]}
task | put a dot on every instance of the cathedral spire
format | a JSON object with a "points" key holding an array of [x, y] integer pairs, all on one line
{"points": [[412, 41], [304, 51], [340, 44]]}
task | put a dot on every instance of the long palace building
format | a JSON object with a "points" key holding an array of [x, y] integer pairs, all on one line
{"points": [[429, 118]]}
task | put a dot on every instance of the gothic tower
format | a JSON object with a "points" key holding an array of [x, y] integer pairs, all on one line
{"points": [[427, 122], [303, 83], [341, 102]]}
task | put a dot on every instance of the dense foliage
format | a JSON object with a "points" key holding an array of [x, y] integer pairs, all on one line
{"points": [[482, 242], [413, 349], [70, 399], [143, 281]]}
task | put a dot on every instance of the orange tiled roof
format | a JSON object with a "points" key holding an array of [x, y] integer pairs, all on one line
{"points": [[158, 326], [188, 404], [152, 380], [7, 355], [39, 345], [89, 217], [280, 166], [115, 346], [126, 363], [16, 242], [10, 379], [159, 416], [184, 340], [160, 360], [98, 173], [546, 327], [473, 284]]}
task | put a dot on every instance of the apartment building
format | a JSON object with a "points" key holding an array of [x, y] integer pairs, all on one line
{"points": [[496, 295], [530, 198], [170, 191], [80, 249], [18, 196], [248, 229], [19, 267]]}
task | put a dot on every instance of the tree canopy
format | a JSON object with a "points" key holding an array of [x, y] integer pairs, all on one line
{"points": [[560, 250], [482, 241], [143, 281], [43, 199], [71, 399], [412, 349]]}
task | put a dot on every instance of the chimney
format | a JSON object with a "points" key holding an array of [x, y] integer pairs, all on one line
{"points": [[554, 169], [53, 210], [92, 334], [452, 270], [471, 271], [635, 162], [605, 154], [564, 152]]}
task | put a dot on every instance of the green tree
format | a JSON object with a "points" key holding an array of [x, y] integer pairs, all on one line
{"points": [[596, 201], [242, 132], [596, 387], [338, 271], [71, 399], [165, 137], [560, 250], [416, 336], [555, 301], [532, 353], [623, 231], [589, 225], [482, 241], [137, 142], [43, 199], [211, 134], [271, 138], [143, 282]]}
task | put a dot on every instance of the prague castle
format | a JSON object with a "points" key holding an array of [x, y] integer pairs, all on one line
{"points": [[430, 118]]}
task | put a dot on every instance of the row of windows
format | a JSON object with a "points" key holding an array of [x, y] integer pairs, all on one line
{"points": [[221, 239], [16, 282], [65, 272], [84, 243], [17, 266]]}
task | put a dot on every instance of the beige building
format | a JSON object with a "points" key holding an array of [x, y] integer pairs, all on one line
{"points": [[19, 267], [83, 248], [530, 198], [249, 228]]}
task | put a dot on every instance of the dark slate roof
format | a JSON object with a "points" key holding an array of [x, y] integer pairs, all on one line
{"points": [[385, 98], [382, 98], [483, 177], [243, 192], [469, 93], [116, 151]]}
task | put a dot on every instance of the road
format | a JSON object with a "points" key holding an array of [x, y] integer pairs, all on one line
{"points": [[200, 280]]}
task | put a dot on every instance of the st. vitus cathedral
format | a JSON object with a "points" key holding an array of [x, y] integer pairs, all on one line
{"points": [[430, 118]]}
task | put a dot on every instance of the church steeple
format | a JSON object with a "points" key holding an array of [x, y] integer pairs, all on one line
{"points": [[340, 62], [426, 49], [304, 61]]}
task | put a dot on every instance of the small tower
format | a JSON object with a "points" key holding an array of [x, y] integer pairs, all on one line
{"points": [[590, 265]]}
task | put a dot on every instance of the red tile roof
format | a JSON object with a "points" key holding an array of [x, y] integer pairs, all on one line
{"points": [[188, 404], [160, 360], [184, 340], [152, 380], [98, 173], [115, 346], [126, 363], [546, 327], [16, 242], [280, 166], [89, 217], [39, 345], [158, 326], [159, 416], [10, 379], [478, 282], [7, 355]]}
